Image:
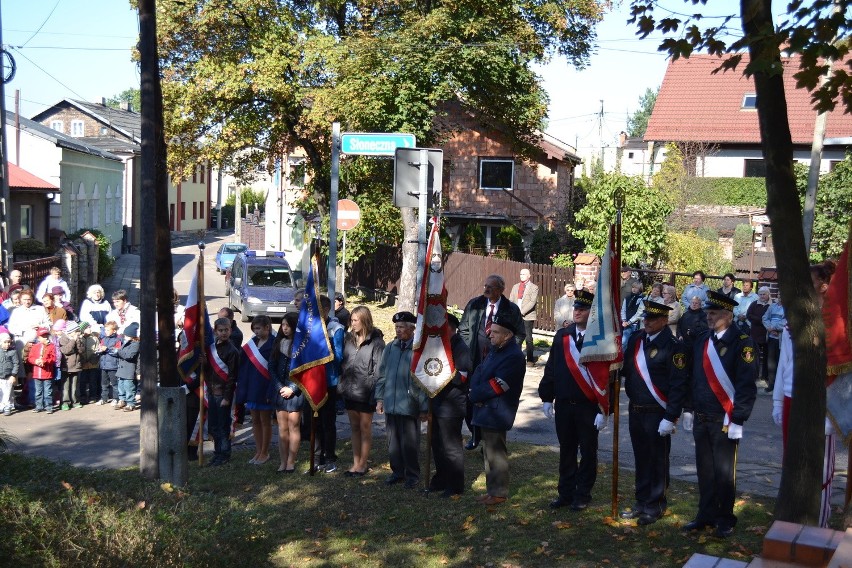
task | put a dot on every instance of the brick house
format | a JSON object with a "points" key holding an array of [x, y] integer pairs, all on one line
{"points": [[489, 182], [118, 131]]}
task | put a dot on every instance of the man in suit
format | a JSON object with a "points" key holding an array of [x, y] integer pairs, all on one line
{"points": [[475, 328], [525, 295], [579, 417], [724, 370]]}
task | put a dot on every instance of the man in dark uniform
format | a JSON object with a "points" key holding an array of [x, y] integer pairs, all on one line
{"points": [[579, 417], [495, 392], [475, 329], [655, 380], [448, 411], [724, 370]]}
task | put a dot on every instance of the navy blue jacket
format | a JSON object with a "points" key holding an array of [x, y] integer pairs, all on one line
{"points": [[492, 407], [557, 382], [251, 385], [739, 357], [668, 367]]}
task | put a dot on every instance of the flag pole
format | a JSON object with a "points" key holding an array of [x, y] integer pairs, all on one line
{"points": [[202, 308], [313, 436], [427, 466], [615, 377]]}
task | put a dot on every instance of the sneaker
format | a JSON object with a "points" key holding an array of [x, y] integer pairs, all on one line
{"points": [[130, 408], [78, 405], [50, 411], [66, 406], [331, 467], [100, 403], [120, 405], [138, 398], [37, 410], [115, 404], [7, 412]]}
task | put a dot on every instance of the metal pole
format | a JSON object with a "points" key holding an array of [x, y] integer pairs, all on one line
{"points": [[342, 269], [332, 229], [219, 199], [421, 213], [5, 257]]}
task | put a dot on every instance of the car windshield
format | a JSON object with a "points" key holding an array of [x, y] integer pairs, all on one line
{"points": [[233, 249], [269, 276]]}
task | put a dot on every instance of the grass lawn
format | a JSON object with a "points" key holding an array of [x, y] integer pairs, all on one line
{"points": [[243, 515]]}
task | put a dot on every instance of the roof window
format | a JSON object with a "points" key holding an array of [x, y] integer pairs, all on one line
{"points": [[749, 101]]}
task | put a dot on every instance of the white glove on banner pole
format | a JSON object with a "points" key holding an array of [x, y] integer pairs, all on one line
{"points": [[735, 431], [600, 422], [687, 420], [666, 427]]}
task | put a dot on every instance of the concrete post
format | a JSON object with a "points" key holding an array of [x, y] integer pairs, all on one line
{"points": [[171, 419]]}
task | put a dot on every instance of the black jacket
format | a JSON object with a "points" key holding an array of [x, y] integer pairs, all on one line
{"points": [[473, 319], [361, 367], [451, 402], [692, 324], [557, 381], [668, 366]]}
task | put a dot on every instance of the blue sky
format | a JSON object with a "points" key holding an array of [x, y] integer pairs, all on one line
{"points": [[81, 49]]}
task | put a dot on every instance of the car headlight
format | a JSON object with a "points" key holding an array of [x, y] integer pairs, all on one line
{"points": [[253, 300]]}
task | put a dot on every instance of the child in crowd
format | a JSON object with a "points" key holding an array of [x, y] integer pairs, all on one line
{"points": [[90, 375], [127, 355], [58, 328], [42, 357], [220, 369], [71, 346], [110, 341], [10, 366]]}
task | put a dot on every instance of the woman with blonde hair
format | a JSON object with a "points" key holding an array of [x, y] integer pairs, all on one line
{"points": [[362, 354], [95, 308]]}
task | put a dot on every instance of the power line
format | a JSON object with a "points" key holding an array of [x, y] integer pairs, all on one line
{"points": [[64, 48], [35, 33], [74, 34], [78, 95]]}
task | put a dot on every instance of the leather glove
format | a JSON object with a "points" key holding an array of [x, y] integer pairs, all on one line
{"points": [[185, 389], [829, 427], [735, 431], [666, 427], [777, 411], [600, 422], [547, 408], [687, 420]]}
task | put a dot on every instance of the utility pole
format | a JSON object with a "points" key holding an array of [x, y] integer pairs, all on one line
{"points": [[600, 133], [5, 245]]}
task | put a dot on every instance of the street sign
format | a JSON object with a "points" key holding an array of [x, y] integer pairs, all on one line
{"points": [[348, 214], [406, 177], [375, 143]]}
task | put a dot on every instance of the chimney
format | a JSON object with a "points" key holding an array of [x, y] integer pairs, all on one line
{"points": [[125, 105], [622, 139], [104, 101]]}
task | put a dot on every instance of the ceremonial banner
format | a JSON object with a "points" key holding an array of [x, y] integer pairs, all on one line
{"points": [[838, 346], [432, 365], [311, 348], [601, 351], [189, 356]]}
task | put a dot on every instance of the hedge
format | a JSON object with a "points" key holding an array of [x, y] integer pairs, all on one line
{"points": [[727, 191]]}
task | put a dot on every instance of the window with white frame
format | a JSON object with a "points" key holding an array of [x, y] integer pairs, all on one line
{"points": [[749, 101], [81, 207], [108, 207], [496, 173], [58, 126], [26, 221], [77, 128], [95, 207]]}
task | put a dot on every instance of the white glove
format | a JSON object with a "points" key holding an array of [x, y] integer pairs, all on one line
{"points": [[687, 420], [185, 389], [829, 427], [735, 431], [547, 408], [777, 412], [600, 422], [666, 427]]}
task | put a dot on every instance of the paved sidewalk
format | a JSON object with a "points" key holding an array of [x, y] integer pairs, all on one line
{"points": [[99, 437]]}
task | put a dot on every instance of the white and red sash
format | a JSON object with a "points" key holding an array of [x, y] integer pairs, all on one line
{"points": [[259, 362], [579, 371], [642, 369], [718, 379], [218, 365]]}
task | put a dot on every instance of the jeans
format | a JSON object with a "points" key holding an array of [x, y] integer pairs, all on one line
{"points": [[43, 394], [109, 385], [219, 425], [127, 391]]}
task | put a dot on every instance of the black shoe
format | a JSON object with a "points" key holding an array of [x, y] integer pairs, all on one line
{"points": [[646, 519], [411, 484], [450, 492], [579, 505], [631, 514], [723, 531], [471, 444], [695, 525], [392, 479], [559, 502]]}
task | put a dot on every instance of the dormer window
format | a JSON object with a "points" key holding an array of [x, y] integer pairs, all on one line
{"points": [[749, 101]]}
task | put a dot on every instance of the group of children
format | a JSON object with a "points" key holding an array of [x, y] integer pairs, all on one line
{"points": [[70, 365]]}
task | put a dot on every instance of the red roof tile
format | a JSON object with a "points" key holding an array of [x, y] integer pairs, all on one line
{"points": [[22, 179], [694, 105]]}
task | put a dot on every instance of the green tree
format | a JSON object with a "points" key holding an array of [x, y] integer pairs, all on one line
{"points": [[637, 123], [256, 77], [688, 252], [643, 219], [250, 198], [833, 210], [807, 29], [132, 96]]}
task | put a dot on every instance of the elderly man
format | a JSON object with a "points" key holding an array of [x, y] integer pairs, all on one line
{"points": [[656, 377], [403, 402], [578, 415], [525, 295], [495, 391], [563, 310], [14, 280], [724, 368], [475, 327]]}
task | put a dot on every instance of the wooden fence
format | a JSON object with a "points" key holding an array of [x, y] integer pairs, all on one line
{"points": [[34, 271]]}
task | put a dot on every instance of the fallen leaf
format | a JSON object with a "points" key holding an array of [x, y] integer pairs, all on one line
{"points": [[167, 487], [67, 485], [653, 534], [523, 522], [561, 525], [247, 488], [140, 505], [702, 539]]}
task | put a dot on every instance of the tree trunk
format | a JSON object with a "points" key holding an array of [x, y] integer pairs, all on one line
{"points": [[801, 473], [408, 278]]}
